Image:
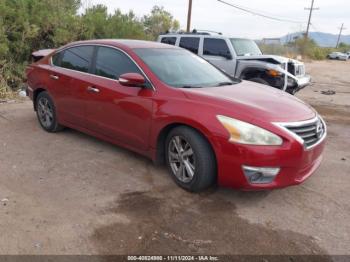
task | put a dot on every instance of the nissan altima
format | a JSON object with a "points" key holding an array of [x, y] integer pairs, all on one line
{"points": [[176, 108]]}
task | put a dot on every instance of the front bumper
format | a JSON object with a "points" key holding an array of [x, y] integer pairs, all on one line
{"points": [[296, 164], [302, 81], [294, 84], [343, 58]]}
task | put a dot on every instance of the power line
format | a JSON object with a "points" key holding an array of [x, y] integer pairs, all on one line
{"points": [[247, 10]]}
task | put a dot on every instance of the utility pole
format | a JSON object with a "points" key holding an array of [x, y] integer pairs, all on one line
{"points": [[189, 16], [341, 30], [310, 15]]}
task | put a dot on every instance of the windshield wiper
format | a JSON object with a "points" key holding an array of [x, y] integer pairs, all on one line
{"points": [[189, 86], [225, 84]]}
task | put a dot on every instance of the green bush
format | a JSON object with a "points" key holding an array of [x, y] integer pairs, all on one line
{"points": [[306, 48], [28, 25], [344, 48]]}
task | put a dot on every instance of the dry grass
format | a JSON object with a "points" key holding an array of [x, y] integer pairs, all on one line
{"points": [[5, 92], [5, 96]]}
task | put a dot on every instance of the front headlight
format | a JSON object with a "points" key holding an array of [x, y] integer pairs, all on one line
{"points": [[245, 133]]}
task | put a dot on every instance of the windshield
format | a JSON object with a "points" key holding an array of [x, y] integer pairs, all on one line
{"points": [[245, 47], [181, 68]]}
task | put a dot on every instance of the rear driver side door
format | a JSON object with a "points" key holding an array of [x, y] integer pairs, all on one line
{"points": [[68, 74]]}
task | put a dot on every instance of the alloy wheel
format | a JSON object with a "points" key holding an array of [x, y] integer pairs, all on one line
{"points": [[181, 159], [45, 112]]}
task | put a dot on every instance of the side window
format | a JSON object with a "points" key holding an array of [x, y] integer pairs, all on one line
{"points": [[56, 59], [190, 43], [168, 40], [215, 47], [77, 58], [112, 63]]}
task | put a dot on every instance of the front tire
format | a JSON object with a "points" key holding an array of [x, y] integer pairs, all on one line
{"points": [[292, 91], [46, 113], [190, 159]]}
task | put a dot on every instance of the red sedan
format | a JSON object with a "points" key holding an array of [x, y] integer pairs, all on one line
{"points": [[174, 107]]}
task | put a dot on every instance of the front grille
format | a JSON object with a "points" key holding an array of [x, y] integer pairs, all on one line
{"points": [[299, 70], [296, 69], [310, 132]]}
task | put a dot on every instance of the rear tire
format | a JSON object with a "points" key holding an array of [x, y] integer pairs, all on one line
{"points": [[190, 159], [46, 113]]}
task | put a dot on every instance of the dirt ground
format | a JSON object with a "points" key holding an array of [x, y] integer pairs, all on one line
{"points": [[69, 193]]}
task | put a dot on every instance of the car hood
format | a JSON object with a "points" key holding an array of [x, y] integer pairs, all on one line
{"points": [[253, 101], [267, 58]]}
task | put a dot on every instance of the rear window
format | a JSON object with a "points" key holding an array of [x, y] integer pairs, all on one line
{"points": [[190, 43], [77, 58], [215, 47], [168, 40]]}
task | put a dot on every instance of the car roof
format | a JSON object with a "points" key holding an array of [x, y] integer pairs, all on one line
{"points": [[122, 43], [197, 35]]}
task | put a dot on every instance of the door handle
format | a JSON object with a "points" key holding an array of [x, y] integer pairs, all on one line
{"points": [[93, 89], [54, 77]]}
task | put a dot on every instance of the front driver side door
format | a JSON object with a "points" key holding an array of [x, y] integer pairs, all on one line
{"points": [[215, 50], [121, 113]]}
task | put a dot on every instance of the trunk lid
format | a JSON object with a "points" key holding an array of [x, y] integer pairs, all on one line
{"points": [[37, 55]]}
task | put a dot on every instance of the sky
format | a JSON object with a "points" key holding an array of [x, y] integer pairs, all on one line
{"points": [[213, 15]]}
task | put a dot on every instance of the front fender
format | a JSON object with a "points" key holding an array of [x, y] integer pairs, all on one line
{"points": [[244, 66], [177, 120], [175, 113]]}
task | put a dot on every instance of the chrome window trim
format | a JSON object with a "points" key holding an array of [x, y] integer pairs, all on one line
{"points": [[284, 125], [113, 47]]}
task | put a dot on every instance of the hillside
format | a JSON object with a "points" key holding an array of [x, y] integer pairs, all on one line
{"points": [[322, 39]]}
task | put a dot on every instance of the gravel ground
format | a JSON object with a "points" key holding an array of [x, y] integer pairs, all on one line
{"points": [[69, 193]]}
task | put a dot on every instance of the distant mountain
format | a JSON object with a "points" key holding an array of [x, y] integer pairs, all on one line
{"points": [[322, 39]]}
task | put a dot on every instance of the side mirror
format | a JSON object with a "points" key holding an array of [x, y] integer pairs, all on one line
{"points": [[132, 79], [226, 55]]}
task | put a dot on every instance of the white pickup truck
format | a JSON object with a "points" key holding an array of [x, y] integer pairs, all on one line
{"points": [[242, 58]]}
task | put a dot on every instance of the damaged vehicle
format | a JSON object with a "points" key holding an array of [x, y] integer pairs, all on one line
{"points": [[243, 59]]}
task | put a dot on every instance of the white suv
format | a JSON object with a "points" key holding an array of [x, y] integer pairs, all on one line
{"points": [[242, 58], [339, 56]]}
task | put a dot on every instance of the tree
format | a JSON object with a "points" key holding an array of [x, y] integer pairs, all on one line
{"points": [[94, 22], [159, 21], [28, 25], [343, 47], [127, 26]]}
